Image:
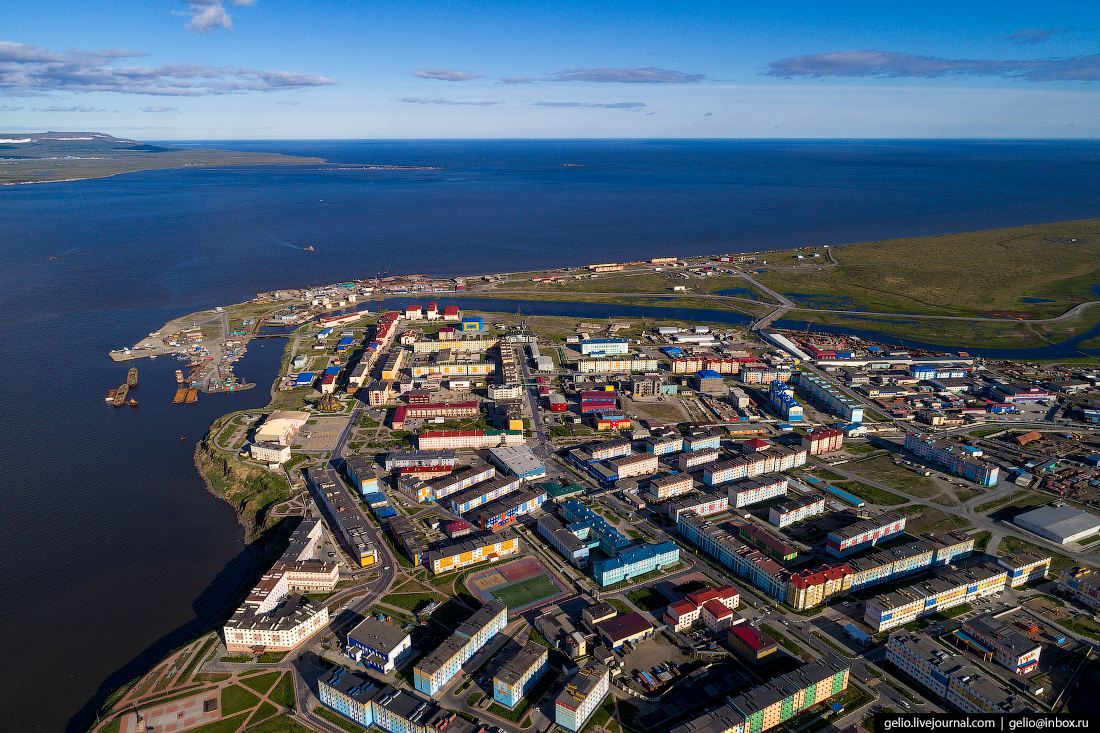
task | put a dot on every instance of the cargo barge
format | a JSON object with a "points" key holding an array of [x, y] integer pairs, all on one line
{"points": [[132, 378], [120, 395]]}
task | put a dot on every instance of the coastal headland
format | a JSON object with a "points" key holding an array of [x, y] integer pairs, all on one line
{"points": [[69, 156], [1009, 289]]}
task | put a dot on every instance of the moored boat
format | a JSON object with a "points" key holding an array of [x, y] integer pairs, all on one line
{"points": [[132, 378], [120, 395]]}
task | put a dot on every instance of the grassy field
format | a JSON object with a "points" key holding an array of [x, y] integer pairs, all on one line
{"points": [[958, 274], [283, 694], [526, 592], [235, 699], [975, 335], [870, 493], [648, 598], [926, 519], [261, 683], [264, 711], [901, 478]]}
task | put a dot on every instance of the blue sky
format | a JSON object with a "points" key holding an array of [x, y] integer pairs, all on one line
{"points": [[219, 69]]}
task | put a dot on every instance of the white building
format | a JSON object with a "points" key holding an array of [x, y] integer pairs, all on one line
{"points": [[1061, 524], [270, 452]]}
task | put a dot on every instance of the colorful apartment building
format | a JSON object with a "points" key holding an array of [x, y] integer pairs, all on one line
{"points": [[519, 674], [761, 374], [483, 493], [950, 677], [776, 701], [1024, 566], [667, 487], [753, 491], [844, 541], [471, 552], [810, 588], [796, 509], [624, 363], [370, 703], [959, 459], [702, 503], [458, 481], [437, 668], [946, 590], [835, 401], [502, 512], [583, 693], [694, 460], [663, 446], [1081, 584], [702, 441]]}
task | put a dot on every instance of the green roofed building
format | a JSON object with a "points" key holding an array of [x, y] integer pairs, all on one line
{"points": [[555, 490]]}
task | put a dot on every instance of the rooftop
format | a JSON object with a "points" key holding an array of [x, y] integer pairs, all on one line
{"points": [[756, 640], [527, 656], [625, 626], [378, 635]]}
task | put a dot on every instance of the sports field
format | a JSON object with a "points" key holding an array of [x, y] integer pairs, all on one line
{"points": [[526, 592], [519, 585]]}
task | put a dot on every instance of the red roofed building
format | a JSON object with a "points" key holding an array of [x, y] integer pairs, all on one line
{"points": [[397, 422], [683, 614], [716, 617], [755, 445], [457, 528], [823, 441], [425, 473], [450, 313], [753, 646], [810, 588]]}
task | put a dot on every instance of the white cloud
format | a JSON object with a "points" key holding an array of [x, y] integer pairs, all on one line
{"points": [[160, 109], [446, 102], [210, 15], [446, 74], [26, 70], [55, 108], [890, 64], [592, 105]]}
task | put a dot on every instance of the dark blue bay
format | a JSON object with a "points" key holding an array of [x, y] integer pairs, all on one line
{"points": [[114, 552]]}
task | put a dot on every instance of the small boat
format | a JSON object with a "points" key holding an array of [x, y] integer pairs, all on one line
{"points": [[132, 378], [183, 437], [308, 249], [120, 395], [132, 402]]}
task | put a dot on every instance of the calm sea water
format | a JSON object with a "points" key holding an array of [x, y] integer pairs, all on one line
{"points": [[114, 553]]}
